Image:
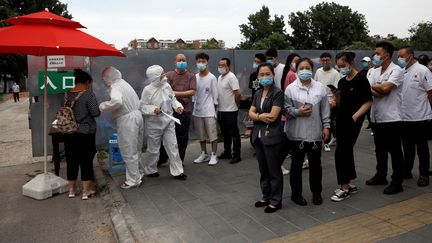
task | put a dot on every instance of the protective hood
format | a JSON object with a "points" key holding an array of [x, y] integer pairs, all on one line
{"points": [[154, 75], [110, 75]]}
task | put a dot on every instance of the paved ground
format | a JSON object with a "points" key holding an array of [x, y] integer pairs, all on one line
{"points": [[57, 219], [215, 204]]}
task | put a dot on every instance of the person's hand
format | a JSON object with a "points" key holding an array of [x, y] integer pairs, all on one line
{"points": [[325, 135], [354, 117], [157, 110], [264, 118], [304, 111], [179, 110], [333, 103]]}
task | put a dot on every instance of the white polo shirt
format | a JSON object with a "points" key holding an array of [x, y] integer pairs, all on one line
{"points": [[415, 103], [331, 76], [387, 108], [206, 96], [226, 87], [278, 74]]}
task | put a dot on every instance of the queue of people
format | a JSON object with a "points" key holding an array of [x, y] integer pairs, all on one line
{"points": [[294, 114]]}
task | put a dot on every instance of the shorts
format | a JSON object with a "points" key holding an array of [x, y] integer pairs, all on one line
{"points": [[206, 128]]}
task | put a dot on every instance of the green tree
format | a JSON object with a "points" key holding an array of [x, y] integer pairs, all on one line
{"points": [[421, 36], [16, 65], [275, 40], [210, 45], [359, 45], [327, 26], [261, 28]]}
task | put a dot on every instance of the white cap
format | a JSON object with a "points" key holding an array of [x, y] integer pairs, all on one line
{"points": [[366, 59]]}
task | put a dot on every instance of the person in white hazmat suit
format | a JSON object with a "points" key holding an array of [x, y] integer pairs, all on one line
{"points": [[124, 106], [158, 98]]}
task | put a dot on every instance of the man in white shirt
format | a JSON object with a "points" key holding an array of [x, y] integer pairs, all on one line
{"points": [[204, 113], [273, 59], [387, 80], [16, 90], [229, 100], [327, 75], [416, 113]]}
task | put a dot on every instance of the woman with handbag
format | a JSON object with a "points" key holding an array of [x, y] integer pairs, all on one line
{"points": [[80, 145]]}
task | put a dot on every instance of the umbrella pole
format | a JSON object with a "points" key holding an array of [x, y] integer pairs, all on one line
{"points": [[45, 115]]}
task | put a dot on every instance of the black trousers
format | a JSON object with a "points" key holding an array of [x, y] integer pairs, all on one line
{"points": [[270, 159], [414, 134], [230, 132], [16, 96], [298, 152], [387, 138], [347, 132], [80, 150], [56, 139], [182, 134]]}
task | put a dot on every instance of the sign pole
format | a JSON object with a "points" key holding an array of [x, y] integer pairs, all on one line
{"points": [[45, 116]]}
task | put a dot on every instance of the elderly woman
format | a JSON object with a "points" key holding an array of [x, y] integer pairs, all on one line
{"points": [[80, 146], [268, 138], [157, 104], [307, 125]]}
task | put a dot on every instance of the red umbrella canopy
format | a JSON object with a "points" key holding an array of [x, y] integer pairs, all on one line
{"points": [[44, 33], [44, 17]]}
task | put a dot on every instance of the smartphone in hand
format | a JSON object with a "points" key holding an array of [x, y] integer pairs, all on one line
{"points": [[332, 87], [308, 105]]}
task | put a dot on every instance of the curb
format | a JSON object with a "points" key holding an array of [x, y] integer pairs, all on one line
{"points": [[123, 221]]}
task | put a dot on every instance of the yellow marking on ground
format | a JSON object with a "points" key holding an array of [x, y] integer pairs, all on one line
{"points": [[371, 226]]}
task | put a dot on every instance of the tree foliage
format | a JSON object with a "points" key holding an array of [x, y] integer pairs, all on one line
{"points": [[421, 36], [327, 26], [262, 31], [16, 65]]}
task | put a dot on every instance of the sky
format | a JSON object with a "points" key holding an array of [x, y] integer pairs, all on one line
{"points": [[118, 22]]}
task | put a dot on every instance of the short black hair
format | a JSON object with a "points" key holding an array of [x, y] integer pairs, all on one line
{"points": [[303, 59], [423, 59], [266, 64], [386, 46], [271, 52], [325, 54], [261, 57], [228, 61], [202, 55], [409, 49], [347, 56], [81, 76]]}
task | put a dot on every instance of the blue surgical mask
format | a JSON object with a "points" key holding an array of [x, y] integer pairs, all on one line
{"points": [[266, 81], [201, 67], [402, 62], [345, 71], [364, 64], [271, 61], [293, 66], [255, 66], [377, 60], [181, 66], [304, 74]]}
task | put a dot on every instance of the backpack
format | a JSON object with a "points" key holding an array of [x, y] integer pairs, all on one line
{"points": [[66, 122]]}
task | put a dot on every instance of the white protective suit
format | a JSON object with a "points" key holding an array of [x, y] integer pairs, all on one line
{"points": [[160, 127], [124, 106]]}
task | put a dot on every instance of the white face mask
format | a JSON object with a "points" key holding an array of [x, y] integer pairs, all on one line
{"points": [[222, 70]]}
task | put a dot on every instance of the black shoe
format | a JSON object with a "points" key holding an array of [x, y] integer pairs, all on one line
{"points": [[408, 175], [299, 200], [376, 181], [181, 177], [423, 181], [224, 156], [272, 208], [235, 160], [393, 188], [261, 204], [156, 174], [317, 199]]}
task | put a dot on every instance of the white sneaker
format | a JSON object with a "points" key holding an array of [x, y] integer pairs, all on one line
{"points": [[332, 142], [327, 148], [213, 160], [305, 164], [202, 158], [284, 170]]}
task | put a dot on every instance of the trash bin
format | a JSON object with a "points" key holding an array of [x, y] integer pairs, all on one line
{"points": [[115, 163]]}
